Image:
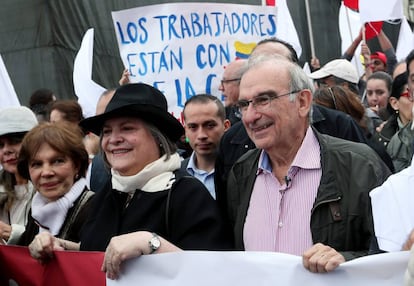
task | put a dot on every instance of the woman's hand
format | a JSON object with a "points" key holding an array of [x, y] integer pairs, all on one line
{"points": [[127, 246], [43, 245], [375, 108], [5, 231]]}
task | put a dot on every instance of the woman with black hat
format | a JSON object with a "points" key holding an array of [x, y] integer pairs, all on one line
{"points": [[148, 206]]}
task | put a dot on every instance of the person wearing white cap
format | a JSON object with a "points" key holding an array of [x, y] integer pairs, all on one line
{"points": [[337, 72], [15, 192], [341, 72]]}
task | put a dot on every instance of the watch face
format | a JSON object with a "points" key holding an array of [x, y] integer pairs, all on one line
{"points": [[155, 243]]}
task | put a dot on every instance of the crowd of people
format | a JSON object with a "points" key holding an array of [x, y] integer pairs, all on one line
{"points": [[317, 165]]}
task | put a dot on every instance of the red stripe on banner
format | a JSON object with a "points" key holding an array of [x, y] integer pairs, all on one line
{"points": [[66, 269], [270, 2]]}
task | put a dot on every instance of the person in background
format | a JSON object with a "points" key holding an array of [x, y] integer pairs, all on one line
{"points": [[338, 72], [344, 100], [148, 206], [400, 104], [55, 160], [299, 192], [400, 67], [391, 202], [378, 92], [40, 102], [384, 60], [98, 173], [229, 87], [16, 192], [400, 146], [205, 123], [378, 61], [66, 110], [341, 99]]}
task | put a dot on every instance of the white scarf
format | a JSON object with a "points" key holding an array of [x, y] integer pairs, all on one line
{"points": [[155, 177], [50, 215]]}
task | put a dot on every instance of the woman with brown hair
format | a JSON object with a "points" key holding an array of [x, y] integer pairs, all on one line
{"points": [[343, 100], [54, 159]]}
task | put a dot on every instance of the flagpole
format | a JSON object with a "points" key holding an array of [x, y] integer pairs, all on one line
{"points": [[349, 23], [308, 16]]}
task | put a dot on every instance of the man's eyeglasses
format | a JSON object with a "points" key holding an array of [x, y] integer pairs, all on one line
{"points": [[408, 95], [260, 102], [223, 81]]}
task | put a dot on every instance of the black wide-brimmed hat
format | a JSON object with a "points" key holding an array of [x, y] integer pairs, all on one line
{"points": [[138, 100]]}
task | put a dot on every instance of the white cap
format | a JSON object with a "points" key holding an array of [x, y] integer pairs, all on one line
{"points": [[339, 68], [16, 120]]}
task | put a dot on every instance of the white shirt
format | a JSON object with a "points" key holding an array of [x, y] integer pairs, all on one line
{"points": [[392, 209]]}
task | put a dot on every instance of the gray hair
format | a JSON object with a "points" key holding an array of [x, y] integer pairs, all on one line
{"points": [[165, 145], [299, 80]]}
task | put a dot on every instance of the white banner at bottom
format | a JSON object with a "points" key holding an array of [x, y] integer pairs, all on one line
{"points": [[208, 268]]}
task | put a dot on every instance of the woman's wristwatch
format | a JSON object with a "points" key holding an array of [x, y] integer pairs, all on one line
{"points": [[154, 243]]}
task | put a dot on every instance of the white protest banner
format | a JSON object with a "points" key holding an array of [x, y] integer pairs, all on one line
{"points": [[181, 48], [204, 268], [8, 96]]}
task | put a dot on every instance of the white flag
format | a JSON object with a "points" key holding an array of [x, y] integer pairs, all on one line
{"points": [[380, 10], [87, 91], [349, 27], [8, 96], [405, 40], [286, 28]]}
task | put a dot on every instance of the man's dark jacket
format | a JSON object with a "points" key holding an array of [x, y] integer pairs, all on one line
{"points": [[341, 215]]}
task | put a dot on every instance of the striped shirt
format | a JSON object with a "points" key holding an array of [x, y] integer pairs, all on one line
{"points": [[278, 218]]}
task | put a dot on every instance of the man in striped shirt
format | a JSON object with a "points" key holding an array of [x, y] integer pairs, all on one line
{"points": [[300, 192]]}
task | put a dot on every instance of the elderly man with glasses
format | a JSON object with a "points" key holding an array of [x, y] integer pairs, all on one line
{"points": [[229, 87], [300, 192]]}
